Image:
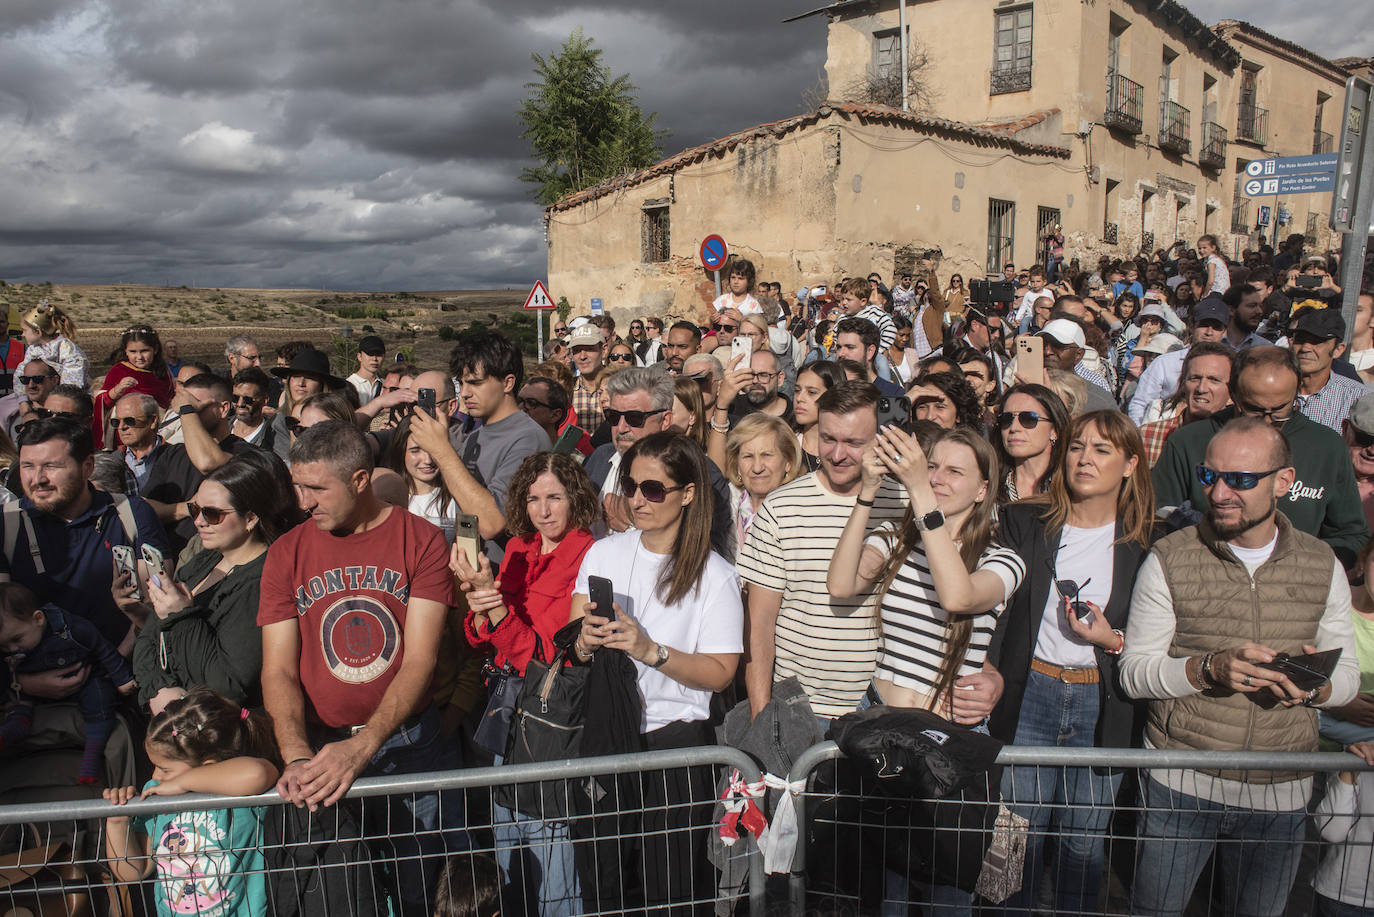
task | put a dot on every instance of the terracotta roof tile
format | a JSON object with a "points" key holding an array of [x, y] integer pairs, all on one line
{"points": [[998, 136], [1229, 27]]}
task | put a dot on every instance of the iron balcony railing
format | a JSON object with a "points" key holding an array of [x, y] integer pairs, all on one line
{"points": [[1240, 215], [1174, 133], [1322, 142], [1213, 152], [1109, 233], [1009, 79], [1252, 123], [1125, 104]]}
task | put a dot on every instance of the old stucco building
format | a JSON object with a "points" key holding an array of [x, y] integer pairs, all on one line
{"points": [[1124, 122]]}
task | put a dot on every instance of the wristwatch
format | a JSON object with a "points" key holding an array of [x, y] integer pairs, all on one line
{"points": [[931, 520], [662, 657]]}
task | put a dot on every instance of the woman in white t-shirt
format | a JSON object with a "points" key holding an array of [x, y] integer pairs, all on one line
{"points": [[1082, 543], [428, 495], [678, 615]]}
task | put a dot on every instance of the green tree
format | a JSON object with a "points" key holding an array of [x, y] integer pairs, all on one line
{"points": [[583, 125]]}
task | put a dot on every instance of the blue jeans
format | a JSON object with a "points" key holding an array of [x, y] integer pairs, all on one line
{"points": [[1068, 807], [1330, 907], [415, 831], [1178, 835], [537, 857]]}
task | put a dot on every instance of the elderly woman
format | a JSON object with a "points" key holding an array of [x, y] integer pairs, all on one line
{"points": [[761, 454]]}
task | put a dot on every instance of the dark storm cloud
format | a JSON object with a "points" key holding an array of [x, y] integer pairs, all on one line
{"points": [[354, 144]]}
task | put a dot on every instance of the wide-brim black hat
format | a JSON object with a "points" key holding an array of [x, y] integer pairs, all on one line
{"points": [[310, 363]]}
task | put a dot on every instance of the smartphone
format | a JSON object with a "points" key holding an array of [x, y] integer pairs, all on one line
{"points": [[568, 439], [1030, 357], [425, 399], [1309, 281], [603, 594], [152, 557], [894, 410], [124, 564], [740, 344], [468, 538]]}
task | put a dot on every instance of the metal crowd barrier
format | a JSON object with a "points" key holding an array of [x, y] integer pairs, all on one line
{"points": [[861, 852], [52, 854]]}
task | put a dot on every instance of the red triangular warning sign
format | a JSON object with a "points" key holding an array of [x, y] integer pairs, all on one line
{"points": [[539, 297]]}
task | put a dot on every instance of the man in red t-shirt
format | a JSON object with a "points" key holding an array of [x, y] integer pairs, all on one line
{"points": [[353, 603]]}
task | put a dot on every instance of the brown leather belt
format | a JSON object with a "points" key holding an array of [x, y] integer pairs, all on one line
{"points": [[1069, 675]]}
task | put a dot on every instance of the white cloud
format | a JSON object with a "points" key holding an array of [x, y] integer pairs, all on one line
{"points": [[217, 147]]}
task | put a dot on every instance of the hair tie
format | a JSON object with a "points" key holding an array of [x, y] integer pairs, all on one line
{"points": [[174, 732], [243, 713]]}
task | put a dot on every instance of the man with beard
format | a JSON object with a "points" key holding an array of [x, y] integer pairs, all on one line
{"points": [[758, 382], [1213, 603], [58, 543], [1323, 500], [252, 388], [684, 340], [1247, 311]]}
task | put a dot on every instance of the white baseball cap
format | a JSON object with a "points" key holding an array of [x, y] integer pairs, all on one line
{"points": [[1065, 332]]}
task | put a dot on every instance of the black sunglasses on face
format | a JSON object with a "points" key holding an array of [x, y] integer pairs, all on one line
{"points": [[653, 491], [1236, 480], [44, 412], [704, 381], [34, 380], [721, 326], [634, 419], [126, 423], [1028, 419], [213, 515], [621, 357], [526, 403], [1272, 415], [1362, 439], [245, 399], [293, 424]]}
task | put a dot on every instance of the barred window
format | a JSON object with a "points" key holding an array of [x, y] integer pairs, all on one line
{"points": [[653, 234]]}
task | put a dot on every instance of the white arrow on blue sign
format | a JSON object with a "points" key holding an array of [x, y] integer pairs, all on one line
{"points": [[1291, 165], [1310, 183]]}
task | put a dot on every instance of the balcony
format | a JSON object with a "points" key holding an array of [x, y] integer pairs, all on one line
{"points": [[1240, 215], [1010, 79], [1252, 123], [1125, 104], [1109, 233], [1322, 142], [1174, 128], [1213, 152]]}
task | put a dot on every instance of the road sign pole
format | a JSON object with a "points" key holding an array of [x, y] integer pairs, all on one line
{"points": [[717, 273], [1356, 162], [539, 325]]}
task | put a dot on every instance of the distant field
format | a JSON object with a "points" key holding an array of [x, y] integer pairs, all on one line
{"points": [[201, 319]]}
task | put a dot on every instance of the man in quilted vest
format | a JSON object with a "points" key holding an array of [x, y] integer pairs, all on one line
{"points": [[1212, 604]]}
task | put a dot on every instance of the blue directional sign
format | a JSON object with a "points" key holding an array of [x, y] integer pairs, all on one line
{"points": [[1291, 165], [1290, 184], [714, 251]]}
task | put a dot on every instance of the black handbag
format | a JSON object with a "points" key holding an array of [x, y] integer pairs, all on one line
{"points": [[503, 693], [546, 726]]}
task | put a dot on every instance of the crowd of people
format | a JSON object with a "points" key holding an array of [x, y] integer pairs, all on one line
{"points": [[1064, 508]]}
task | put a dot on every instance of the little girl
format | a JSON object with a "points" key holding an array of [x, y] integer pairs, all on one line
{"points": [[210, 861], [138, 367], [49, 334]]}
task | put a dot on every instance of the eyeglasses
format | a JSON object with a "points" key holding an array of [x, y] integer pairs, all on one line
{"points": [[560, 329], [1236, 480], [763, 377], [636, 326], [721, 326], [1029, 420], [621, 357], [246, 399], [1362, 439], [634, 419], [126, 423], [653, 491], [213, 515], [704, 381], [45, 413], [1276, 415], [293, 425], [526, 403], [35, 380], [1069, 589]]}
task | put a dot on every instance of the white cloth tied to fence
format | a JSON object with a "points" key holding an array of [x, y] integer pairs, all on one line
{"points": [[778, 838]]}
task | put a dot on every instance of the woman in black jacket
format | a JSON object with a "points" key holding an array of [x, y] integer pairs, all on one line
{"points": [[204, 627], [1058, 642]]}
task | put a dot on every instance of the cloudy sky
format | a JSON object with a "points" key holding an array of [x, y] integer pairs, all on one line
{"points": [[357, 144]]}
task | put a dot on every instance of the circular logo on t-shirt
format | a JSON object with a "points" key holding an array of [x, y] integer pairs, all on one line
{"points": [[360, 638]]}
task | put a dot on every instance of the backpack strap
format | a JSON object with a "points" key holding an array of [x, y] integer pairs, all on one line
{"points": [[125, 510], [14, 517]]}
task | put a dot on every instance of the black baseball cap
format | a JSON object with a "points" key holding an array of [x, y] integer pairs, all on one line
{"points": [[1322, 323], [373, 346]]}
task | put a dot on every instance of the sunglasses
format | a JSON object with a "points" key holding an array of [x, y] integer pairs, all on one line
{"points": [[653, 491], [211, 514], [45, 413], [293, 425], [526, 403], [1069, 589], [634, 419], [1362, 439], [1029, 420], [1236, 480], [622, 357], [721, 326], [246, 399], [127, 423], [35, 380], [705, 381], [1271, 415], [561, 329]]}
